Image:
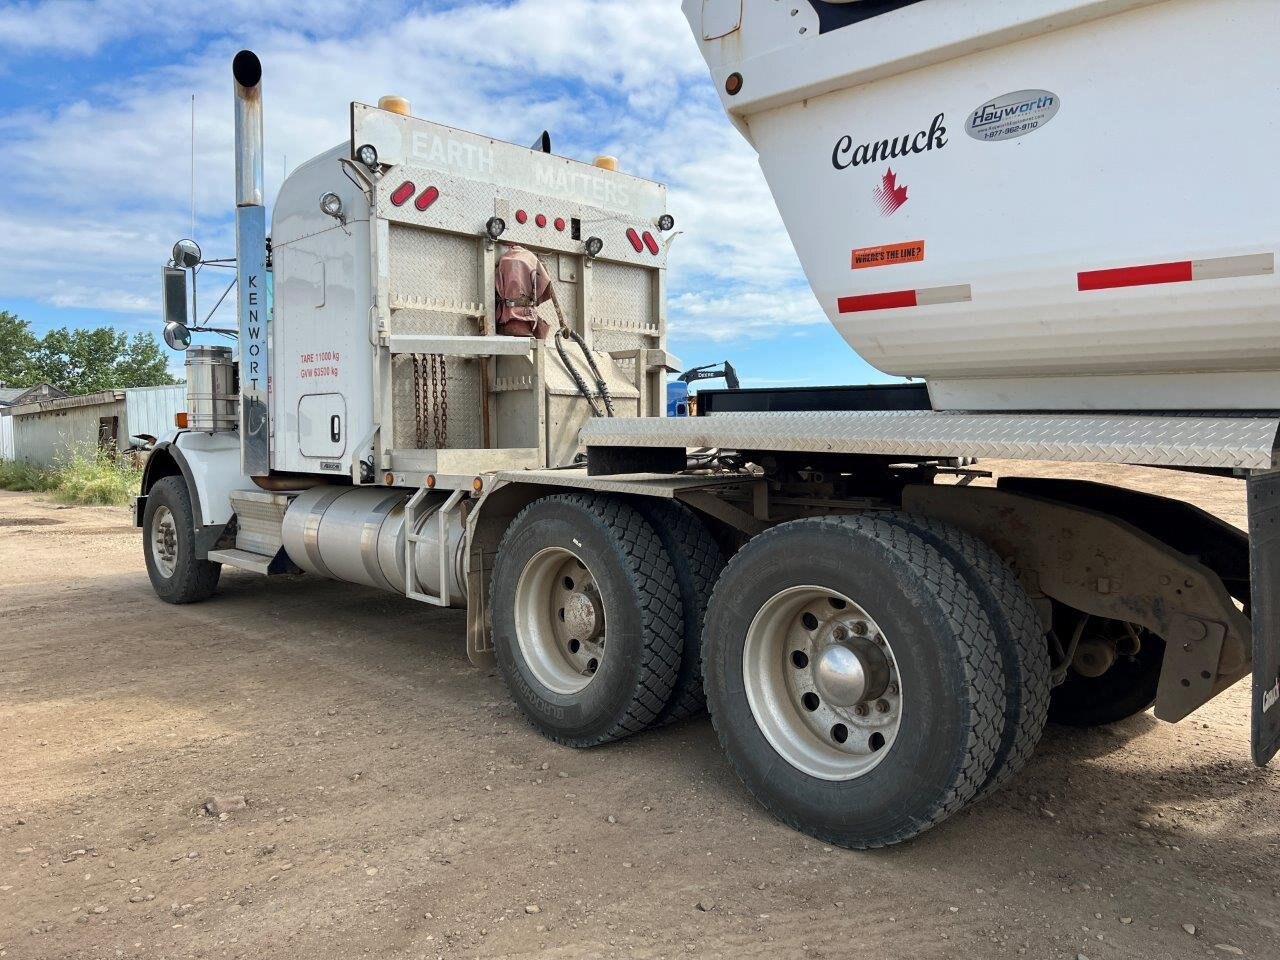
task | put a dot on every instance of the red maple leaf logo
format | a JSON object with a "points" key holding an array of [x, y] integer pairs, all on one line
{"points": [[889, 196]]}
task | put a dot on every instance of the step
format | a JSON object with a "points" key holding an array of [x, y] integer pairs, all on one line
{"points": [[243, 560]]}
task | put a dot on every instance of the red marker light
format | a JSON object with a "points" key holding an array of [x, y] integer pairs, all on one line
{"points": [[651, 243], [403, 193], [635, 239], [560, 224], [427, 198], [521, 217], [540, 219]]}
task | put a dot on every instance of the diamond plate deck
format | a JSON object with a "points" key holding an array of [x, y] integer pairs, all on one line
{"points": [[1168, 441]]}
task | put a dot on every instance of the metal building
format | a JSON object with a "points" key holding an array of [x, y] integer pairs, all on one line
{"points": [[51, 431]]}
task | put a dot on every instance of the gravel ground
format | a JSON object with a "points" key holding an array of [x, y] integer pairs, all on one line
{"points": [[396, 805]]}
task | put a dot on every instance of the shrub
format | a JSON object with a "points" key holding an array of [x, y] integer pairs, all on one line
{"points": [[83, 477]]}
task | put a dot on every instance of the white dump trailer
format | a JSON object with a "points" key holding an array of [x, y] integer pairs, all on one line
{"points": [[876, 648]]}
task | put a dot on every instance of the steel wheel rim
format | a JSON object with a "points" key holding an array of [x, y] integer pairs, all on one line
{"points": [[164, 541], [560, 622], [808, 652]]}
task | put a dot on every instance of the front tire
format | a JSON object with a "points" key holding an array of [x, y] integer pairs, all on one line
{"points": [[587, 618], [873, 743], [169, 545]]}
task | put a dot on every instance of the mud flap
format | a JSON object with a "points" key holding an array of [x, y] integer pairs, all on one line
{"points": [[1264, 563]]}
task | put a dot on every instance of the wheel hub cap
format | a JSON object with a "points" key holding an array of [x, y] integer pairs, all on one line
{"points": [[846, 676], [581, 617]]}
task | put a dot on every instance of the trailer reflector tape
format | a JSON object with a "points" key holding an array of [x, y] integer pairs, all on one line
{"points": [[1182, 271], [928, 297]]}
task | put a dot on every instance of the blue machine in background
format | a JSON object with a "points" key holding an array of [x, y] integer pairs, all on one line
{"points": [[678, 389]]}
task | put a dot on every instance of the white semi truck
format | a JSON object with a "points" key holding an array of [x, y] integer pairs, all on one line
{"points": [[1040, 209]]}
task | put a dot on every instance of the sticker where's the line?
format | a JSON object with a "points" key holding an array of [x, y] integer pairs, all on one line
{"points": [[888, 254]]}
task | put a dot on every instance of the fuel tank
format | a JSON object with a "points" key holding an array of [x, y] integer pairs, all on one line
{"points": [[1042, 205], [357, 534]]}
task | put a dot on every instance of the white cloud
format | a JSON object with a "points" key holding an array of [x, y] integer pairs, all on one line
{"points": [[605, 76]]}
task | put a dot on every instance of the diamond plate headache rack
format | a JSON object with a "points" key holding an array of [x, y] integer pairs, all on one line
{"points": [[1168, 441]]}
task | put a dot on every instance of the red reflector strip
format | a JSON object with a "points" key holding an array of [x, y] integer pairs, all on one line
{"points": [[877, 301], [651, 243], [1135, 276], [928, 297], [427, 198], [635, 239], [1214, 268], [403, 193]]}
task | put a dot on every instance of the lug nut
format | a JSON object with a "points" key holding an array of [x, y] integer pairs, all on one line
{"points": [[861, 710], [839, 633], [893, 688], [882, 706], [860, 629]]}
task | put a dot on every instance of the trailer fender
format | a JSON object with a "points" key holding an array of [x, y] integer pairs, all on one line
{"points": [[1107, 567]]}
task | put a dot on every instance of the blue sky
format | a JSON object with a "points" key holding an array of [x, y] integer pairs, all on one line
{"points": [[95, 143]]}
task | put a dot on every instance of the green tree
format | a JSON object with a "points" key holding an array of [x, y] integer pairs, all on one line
{"points": [[17, 351], [84, 361]]}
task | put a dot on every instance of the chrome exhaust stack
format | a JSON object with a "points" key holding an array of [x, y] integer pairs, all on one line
{"points": [[251, 267], [246, 69]]}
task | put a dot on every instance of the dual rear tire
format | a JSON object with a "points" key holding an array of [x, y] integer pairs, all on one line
{"points": [[867, 676]]}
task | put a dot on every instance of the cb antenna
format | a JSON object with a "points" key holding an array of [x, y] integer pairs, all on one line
{"points": [[193, 166]]}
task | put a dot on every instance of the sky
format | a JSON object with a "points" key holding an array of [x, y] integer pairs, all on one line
{"points": [[95, 144]]}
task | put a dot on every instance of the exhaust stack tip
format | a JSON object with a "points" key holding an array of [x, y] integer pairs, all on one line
{"points": [[247, 69]]}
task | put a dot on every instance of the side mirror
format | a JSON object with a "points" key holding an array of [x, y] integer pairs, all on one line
{"points": [[177, 336], [186, 253]]}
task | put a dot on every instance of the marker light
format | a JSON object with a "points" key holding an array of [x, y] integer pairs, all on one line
{"points": [[427, 198], [540, 220], [331, 205], [180, 419], [402, 193], [522, 217], [634, 239], [495, 228], [368, 155], [560, 224], [666, 222], [651, 243], [594, 245], [733, 84]]}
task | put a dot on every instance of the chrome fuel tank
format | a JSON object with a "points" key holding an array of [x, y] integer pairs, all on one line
{"points": [[357, 534]]}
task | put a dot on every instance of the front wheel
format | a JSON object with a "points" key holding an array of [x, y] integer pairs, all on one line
{"points": [[854, 679], [169, 545]]}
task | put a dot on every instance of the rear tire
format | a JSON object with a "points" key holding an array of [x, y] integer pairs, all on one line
{"points": [[940, 646], [1019, 632], [697, 560], [586, 618], [169, 545]]}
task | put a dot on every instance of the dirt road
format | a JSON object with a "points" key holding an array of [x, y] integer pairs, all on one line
{"points": [[399, 807]]}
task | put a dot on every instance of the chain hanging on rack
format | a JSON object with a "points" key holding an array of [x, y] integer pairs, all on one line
{"points": [[431, 400]]}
